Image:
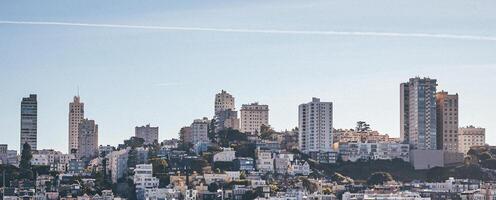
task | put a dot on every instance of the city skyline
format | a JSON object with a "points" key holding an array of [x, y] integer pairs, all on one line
{"points": [[132, 77]]}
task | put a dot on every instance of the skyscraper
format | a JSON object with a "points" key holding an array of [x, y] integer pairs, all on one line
{"points": [[253, 116], [225, 114], [76, 116], [87, 140], [418, 113], [447, 121], [29, 121], [148, 133], [315, 126]]}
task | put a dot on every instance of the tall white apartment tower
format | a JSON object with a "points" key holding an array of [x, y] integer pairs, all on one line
{"points": [[253, 116], [29, 121], [315, 126], [76, 116], [418, 120], [447, 121]]}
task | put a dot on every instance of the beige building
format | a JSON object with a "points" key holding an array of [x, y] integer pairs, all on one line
{"points": [[76, 116], [87, 140], [148, 133], [225, 114], [224, 101], [447, 121], [199, 131], [470, 136], [253, 116]]}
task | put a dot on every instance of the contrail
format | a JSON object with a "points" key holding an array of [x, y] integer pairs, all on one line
{"points": [[262, 31]]}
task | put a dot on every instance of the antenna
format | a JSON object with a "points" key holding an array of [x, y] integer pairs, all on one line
{"points": [[78, 90]]}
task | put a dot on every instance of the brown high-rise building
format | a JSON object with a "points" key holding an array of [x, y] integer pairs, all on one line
{"points": [[447, 121], [76, 116]]}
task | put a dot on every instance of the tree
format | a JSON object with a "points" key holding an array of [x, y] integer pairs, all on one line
{"points": [[379, 178], [484, 156], [25, 165]]}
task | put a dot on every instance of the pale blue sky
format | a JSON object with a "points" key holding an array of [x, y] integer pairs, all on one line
{"points": [[130, 77]]}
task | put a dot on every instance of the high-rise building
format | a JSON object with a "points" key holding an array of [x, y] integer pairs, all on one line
{"points": [[224, 101], [470, 136], [148, 133], [418, 116], [199, 131], [225, 114], [87, 140], [315, 126], [253, 116], [29, 121], [447, 121], [76, 116]]}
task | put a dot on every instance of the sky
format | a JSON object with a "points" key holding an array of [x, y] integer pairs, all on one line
{"points": [[130, 77]]}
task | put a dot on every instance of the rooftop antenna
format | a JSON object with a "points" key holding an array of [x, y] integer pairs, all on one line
{"points": [[78, 90]]}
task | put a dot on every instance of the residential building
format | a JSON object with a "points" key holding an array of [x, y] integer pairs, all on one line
{"points": [[253, 116], [354, 151], [244, 164], [265, 161], [148, 133], [224, 101], [447, 121], [3, 153], [143, 177], [471, 136], [117, 164], [76, 116], [29, 121], [226, 155], [199, 131], [418, 113], [87, 140], [315, 122], [226, 115]]}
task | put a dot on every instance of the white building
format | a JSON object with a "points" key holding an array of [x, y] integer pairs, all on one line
{"points": [[299, 168], [374, 151], [143, 177], [148, 133], [226, 155], [76, 116], [199, 131], [315, 126], [253, 116], [117, 164], [471, 136], [40, 159], [265, 161]]}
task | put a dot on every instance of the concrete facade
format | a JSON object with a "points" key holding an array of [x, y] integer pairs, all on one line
{"points": [[76, 116], [418, 113], [471, 136], [447, 121], [29, 121], [315, 122], [87, 140], [253, 116], [148, 133], [426, 159]]}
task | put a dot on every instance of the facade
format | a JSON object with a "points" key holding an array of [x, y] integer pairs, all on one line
{"points": [[418, 113], [76, 116], [143, 177], [264, 162], [199, 131], [227, 155], [87, 140], [224, 101], [315, 122], [447, 121], [244, 164], [117, 164], [148, 133], [29, 121], [226, 115], [426, 159], [253, 116], [354, 151], [471, 136]]}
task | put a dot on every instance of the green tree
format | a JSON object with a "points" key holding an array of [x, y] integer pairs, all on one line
{"points": [[484, 156], [26, 171], [379, 178]]}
